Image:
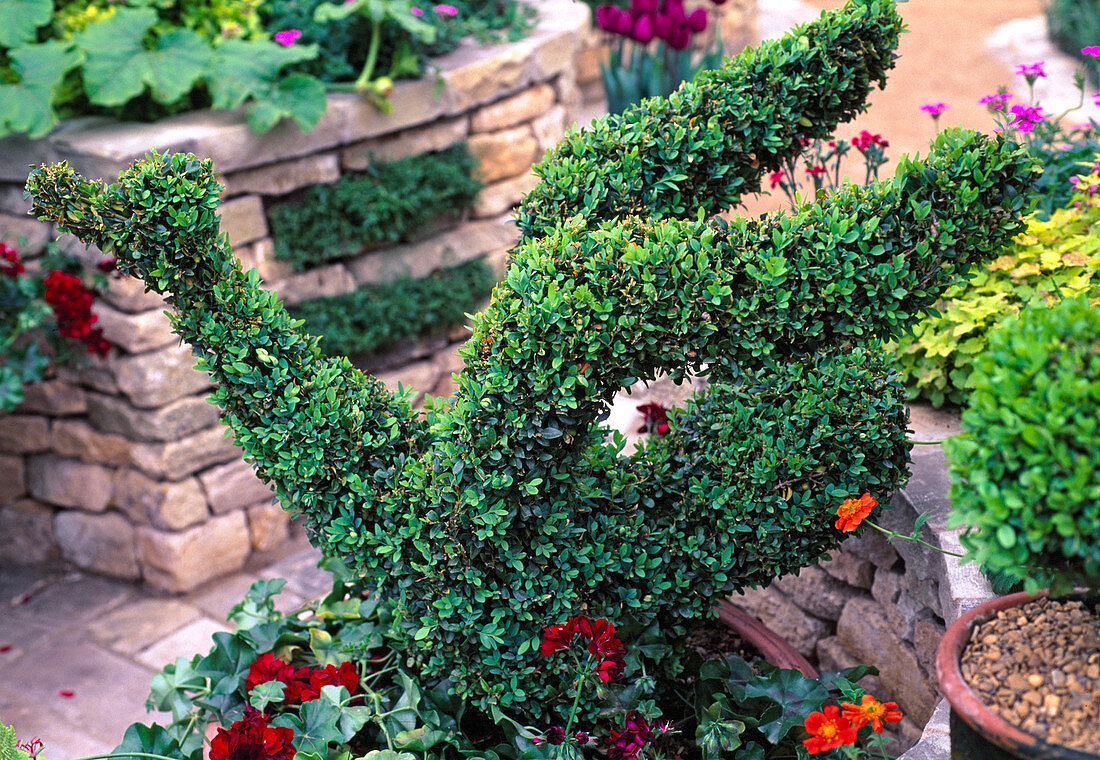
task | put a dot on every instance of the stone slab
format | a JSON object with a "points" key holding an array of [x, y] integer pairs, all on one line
{"points": [[140, 625], [76, 439], [176, 460], [215, 599], [784, 617], [55, 397], [524, 106], [134, 333], [193, 638], [285, 176], [71, 599], [503, 154], [268, 525], [129, 294], [28, 534], [24, 434], [166, 505], [323, 282], [303, 577], [114, 414], [243, 219], [410, 142], [499, 197], [102, 543], [469, 241], [13, 483], [182, 561], [159, 377], [233, 486], [69, 483], [108, 690]]}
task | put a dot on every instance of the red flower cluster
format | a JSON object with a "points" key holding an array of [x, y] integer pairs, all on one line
{"points": [[655, 419], [72, 307], [832, 729], [10, 263], [601, 642], [302, 684], [865, 140], [645, 19], [251, 738], [627, 742]]}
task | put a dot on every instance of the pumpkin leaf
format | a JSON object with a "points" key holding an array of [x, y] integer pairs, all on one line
{"points": [[20, 19], [26, 106]]}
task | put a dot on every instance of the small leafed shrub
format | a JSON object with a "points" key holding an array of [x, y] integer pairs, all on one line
{"points": [[387, 202], [1048, 261], [503, 510], [1025, 471], [375, 317]]}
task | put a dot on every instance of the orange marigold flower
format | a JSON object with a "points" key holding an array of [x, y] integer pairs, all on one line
{"points": [[830, 730], [870, 710], [852, 511]]}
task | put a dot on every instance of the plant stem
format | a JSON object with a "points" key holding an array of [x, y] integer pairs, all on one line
{"points": [[881, 746], [893, 534], [363, 82], [577, 697]]}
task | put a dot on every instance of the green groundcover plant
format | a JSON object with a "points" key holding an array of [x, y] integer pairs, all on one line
{"points": [[385, 203], [502, 510], [375, 317]]}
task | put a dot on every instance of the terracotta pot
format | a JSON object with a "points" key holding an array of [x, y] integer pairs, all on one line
{"points": [[978, 733], [771, 646]]}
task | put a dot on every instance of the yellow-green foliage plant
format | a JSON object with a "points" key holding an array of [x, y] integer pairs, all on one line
{"points": [[504, 510], [1049, 261]]}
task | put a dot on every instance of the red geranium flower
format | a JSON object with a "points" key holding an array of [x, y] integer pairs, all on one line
{"points": [[655, 419], [12, 265], [251, 738], [601, 641], [627, 742], [346, 675], [556, 638], [830, 730], [267, 667]]}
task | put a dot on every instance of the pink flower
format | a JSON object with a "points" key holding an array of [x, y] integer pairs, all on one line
{"points": [[446, 10], [643, 29], [416, 11], [1026, 117], [997, 101], [865, 140], [815, 170], [287, 37], [1093, 50], [934, 109], [776, 179], [1096, 99], [1031, 71]]}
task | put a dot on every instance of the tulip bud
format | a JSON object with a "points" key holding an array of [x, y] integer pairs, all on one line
{"points": [[697, 20], [662, 27], [643, 29], [606, 16]]}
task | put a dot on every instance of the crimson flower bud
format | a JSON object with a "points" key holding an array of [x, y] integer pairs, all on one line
{"points": [[662, 26], [606, 16], [680, 37], [698, 20], [643, 29]]}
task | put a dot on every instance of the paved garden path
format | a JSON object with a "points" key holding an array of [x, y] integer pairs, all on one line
{"points": [[77, 652]]}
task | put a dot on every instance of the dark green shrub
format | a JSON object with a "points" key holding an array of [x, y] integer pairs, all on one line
{"points": [[385, 203], [504, 510], [1024, 472], [375, 317], [1072, 25]]}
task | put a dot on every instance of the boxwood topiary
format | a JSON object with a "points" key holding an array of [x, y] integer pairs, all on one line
{"points": [[386, 202], [375, 317], [1026, 471], [504, 510]]}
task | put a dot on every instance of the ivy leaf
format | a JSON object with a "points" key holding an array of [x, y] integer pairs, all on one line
{"points": [[243, 69], [269, 692], [120, 64], [324, 648], [258, 605], [27, 105], [20, 19], [154, 740], [315, 726], [169, 688], [795, 695], [299, 96]]}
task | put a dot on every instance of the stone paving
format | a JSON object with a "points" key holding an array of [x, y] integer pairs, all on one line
{"points": [[77, 651]]}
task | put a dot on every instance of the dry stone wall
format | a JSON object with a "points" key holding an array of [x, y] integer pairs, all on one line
{"points": [[121, 467]]}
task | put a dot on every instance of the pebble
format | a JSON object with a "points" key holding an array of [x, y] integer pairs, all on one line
{"points": [[1035, 680]]}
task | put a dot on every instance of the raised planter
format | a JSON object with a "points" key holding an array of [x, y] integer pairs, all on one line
{"points": [[978, 733], [122, 467]]}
